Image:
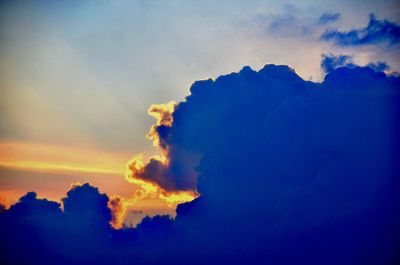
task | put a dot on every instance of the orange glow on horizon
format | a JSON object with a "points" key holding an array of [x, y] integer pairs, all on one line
{"points": [[32, 157], [54, 158], [55, 167], [58, 159]]}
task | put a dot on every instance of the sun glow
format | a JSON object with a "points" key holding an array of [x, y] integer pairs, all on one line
{"points": [[149, 189], [163, 115], [55, 158], [137, 165]]}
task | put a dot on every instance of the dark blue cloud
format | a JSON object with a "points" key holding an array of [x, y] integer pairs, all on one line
{"points": [[289, 171], [37, 231], [326, 18], [377, 31], [379, 66], [85, 199], [331, 62]]}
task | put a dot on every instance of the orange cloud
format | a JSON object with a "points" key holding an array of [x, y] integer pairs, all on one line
{"points": [[163, 114], [3, 204], [135, 168], [118, 207]]}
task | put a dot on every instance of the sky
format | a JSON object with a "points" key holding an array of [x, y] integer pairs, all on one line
{"points": [[78, 77], [199, 132]]}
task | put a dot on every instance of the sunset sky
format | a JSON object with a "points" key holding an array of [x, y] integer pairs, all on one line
{"points": [[77, 77], [198, 132]]}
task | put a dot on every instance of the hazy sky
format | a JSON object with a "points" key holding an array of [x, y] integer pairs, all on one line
{"points": [[81, 74]]}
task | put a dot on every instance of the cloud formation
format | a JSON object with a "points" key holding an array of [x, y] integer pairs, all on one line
{"points": [[170, 175], [377, 31], [289, 172], [292, 166], [47, 234]]}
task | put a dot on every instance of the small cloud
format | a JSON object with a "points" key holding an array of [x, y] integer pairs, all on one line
{"points": [[117, 206], [86, 199], [377, 31], [379, 66], [331, 62], [288, 24], [326, 18], [282, 21]]}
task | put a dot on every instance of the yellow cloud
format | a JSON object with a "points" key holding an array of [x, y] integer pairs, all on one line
{"points": [[163, 115], [149, 189]]}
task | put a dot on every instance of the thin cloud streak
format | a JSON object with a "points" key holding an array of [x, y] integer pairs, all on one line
{"points": [[55, 158]]}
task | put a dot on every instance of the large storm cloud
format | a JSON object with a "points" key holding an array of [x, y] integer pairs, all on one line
{"points": [[295, 172], [288, 171]]}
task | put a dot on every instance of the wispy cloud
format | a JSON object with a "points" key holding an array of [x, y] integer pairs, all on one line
{"points": [[377, 31], [326, 18], [331, 62]]}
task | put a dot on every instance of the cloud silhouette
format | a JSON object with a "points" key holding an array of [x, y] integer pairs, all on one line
{"points": [[46, 234], [377, 31], [85, 199], [289, 171]]}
